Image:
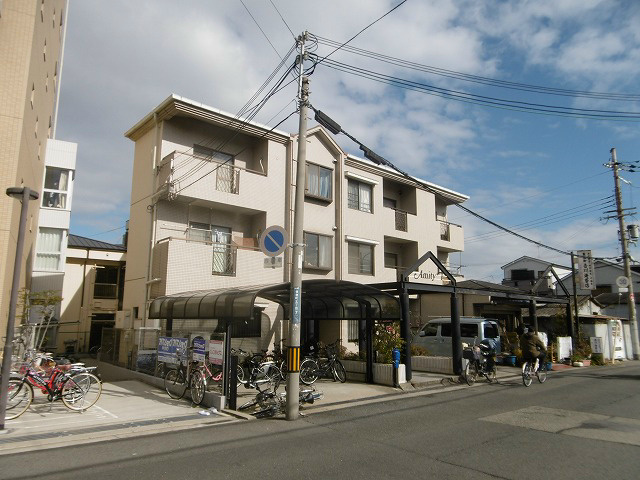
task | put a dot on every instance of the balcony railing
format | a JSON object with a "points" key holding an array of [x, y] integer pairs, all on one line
{"points": [[401, 220], [224, 259], [444, 231], [228, 179]]}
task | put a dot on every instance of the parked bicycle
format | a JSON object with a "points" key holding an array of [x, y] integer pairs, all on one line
{"points": [[256, 370], [481, 360], [78, 389], [313, 368], [529, 370], [270, 402]]}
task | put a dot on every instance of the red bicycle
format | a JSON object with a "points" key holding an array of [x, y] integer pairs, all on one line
{"points": [[77, 390]]}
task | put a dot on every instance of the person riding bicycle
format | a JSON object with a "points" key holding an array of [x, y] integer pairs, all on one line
{"points": [[532, 347]]}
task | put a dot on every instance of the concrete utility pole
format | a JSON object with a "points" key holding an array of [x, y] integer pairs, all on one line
{"points": [[295, 299], [625, 255]]}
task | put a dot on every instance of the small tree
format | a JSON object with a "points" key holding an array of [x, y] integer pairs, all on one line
{"points": [[386, 338]]}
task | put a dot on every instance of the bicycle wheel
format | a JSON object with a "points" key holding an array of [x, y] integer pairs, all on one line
{"points": [[81, 391], [175, 384], [542, 373], [526, 374], [19, 397], [339, 373], [93, 351], [240, 375], [283, 369], [471, 372], [308, 371], [198, 387]]}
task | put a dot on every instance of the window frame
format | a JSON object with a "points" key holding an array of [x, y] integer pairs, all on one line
{"points": [[360, 271], [306, 263], [307, 181], [50, 193], [360, 185]]}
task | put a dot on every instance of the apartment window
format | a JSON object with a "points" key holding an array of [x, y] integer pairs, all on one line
{"points": [[33, 93], [360, 258], [319, 181], [56, 186], [49, 248], [44, 50], [317, 251], [200, 232], [359, 196], [352, 331], [212, 155], [106, 282]]}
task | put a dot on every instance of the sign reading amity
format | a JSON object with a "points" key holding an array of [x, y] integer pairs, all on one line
{"points": [[586, 270]]}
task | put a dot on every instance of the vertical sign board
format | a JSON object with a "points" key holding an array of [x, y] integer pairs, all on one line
{"points": [[172, 349], [586, 270], [199, 349], [296, 306], [216, 352], [596, 344]]}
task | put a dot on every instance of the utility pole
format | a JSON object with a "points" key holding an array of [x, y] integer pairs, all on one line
{"points": [[295, 299], [625, 256]]}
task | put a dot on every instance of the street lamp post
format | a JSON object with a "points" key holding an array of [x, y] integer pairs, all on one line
{"points": [[25, 194]]}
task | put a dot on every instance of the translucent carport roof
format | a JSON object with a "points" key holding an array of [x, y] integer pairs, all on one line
{"points": [[321, 299]]}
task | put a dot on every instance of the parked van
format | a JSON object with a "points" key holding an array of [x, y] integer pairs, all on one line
{"points": [[435, 336]]}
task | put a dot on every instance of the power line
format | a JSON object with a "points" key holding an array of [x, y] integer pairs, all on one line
{"points": [[482, 100], [479, 79], [365, 28], [283, 20]]}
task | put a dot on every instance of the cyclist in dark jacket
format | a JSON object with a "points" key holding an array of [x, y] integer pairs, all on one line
{"points": [[532, 347]]}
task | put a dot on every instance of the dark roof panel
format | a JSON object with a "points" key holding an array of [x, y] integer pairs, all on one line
{"points": [[76, 241]]}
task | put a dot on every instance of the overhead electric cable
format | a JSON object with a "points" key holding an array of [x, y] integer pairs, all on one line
{"points": [[479, 79], [492, 102]]}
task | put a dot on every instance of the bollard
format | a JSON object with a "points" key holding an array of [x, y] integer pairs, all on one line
{"points": [[396, 365]]}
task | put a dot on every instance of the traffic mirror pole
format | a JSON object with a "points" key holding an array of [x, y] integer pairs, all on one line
{"points": [[295, 300]]}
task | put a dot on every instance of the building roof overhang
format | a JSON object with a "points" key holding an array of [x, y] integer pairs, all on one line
{"points": [[320, 299], [175, 105]]}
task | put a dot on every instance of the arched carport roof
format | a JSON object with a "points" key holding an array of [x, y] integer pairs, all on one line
{"points": [[321, 299]]}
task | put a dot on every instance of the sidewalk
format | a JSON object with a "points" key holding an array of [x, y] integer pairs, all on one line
{"points": [[130, 408]]}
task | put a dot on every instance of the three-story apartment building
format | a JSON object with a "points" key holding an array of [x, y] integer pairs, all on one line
{"points": [[206, 185]]}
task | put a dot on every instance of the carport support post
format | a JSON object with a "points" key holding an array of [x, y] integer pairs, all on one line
{"points": [[369, 371], [533, 316], [456, 338], [405, 330]]}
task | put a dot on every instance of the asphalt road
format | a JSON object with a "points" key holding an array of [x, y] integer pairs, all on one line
{"points": [[579, 425]]}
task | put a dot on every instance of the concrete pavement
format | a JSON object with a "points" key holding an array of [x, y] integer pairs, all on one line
{"points": [[131, 408]]}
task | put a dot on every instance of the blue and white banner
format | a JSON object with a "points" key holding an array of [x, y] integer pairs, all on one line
{"points": [[171, 349]]}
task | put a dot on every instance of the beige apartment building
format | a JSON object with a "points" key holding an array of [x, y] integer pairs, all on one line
{"points": [[206, 185], [31, 37]]}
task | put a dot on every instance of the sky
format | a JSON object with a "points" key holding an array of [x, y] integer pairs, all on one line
{"points": [[542, 175]]}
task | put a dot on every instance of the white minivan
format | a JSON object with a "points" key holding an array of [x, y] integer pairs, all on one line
{"points": [[435, 335]]}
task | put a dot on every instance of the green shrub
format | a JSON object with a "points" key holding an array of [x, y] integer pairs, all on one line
{"points": [[597, 359], [386, 338], [419, 351]]}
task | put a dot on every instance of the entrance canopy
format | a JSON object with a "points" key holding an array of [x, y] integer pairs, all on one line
{"points": [[321, 299]]}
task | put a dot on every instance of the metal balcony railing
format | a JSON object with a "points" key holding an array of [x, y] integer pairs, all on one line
{"points": [[228, 179], [444, 231], [224, 259]]}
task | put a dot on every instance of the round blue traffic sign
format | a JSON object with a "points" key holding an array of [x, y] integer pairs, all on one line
{"points": [[273, 241]]}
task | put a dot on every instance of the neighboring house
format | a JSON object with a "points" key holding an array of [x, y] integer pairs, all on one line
{"points": [[53, 228], [92, 293], [525, 272], [206, 185], [31, 35]]}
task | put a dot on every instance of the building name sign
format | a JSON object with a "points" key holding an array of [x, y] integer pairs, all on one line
{"points": [[422, 275], [586, 270]]}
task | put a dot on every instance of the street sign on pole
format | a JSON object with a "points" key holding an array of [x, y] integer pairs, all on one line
{"points": [[586, 270], [273, 241]]}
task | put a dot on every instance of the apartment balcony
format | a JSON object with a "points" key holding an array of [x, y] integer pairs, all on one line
{"points": [[209, 183], [184, 265], [451, 237], [398, 222]]}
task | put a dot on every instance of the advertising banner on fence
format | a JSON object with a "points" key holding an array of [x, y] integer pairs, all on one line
{"points": [[172, 348]]}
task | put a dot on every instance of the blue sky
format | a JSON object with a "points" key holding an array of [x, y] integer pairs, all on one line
{"points": [[123, 60]]}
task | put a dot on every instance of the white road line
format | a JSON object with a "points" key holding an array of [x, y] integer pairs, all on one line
{"points": [[105, 411]]}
